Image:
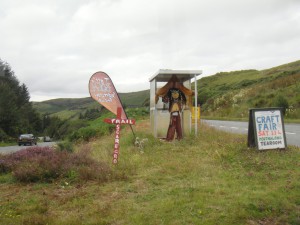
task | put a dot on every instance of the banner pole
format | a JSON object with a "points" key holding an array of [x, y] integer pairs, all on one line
{"points": [[124, 111]]}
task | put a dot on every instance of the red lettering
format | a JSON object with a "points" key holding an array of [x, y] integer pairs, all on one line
{"points": [[118, 121], [261, 133]]}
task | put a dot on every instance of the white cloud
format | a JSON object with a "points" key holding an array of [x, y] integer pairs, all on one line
{"points": [[55, 46]]}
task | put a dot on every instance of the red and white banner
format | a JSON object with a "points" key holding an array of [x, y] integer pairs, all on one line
{"points": [[103, 91]]}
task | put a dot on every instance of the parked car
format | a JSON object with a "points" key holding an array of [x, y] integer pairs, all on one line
{"points": [[47, 139], [25, 139]]}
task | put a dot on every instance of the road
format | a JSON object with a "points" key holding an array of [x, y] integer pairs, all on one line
{"points": [[292, 130], [11, 149]]}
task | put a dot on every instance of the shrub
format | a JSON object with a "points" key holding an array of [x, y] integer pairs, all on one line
{"points": [[65, 146], [46, 164], [137, 113], [281, 101], [3, 135], [94, 130]]}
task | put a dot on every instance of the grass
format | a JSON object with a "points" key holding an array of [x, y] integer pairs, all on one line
{"points": [[209, 179], [5, 144]]}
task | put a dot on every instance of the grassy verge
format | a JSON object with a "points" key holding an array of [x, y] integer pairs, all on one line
{"points": [[209, 179], [5, 144]]}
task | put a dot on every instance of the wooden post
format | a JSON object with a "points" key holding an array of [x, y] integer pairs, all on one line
{"points": [[118, 121]]}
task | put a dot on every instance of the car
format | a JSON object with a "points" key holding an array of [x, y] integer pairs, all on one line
{"points": [[25, 139], [47, 139]]}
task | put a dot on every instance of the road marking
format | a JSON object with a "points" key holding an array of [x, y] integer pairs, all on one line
{"points": [[289, 133], [236, 128]]}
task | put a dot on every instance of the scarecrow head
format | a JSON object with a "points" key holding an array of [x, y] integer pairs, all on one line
{"points": [[175, 98], [174, 91]]}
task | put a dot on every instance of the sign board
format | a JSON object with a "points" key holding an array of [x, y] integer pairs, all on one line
{"points": [[266, 129], [194, 112]]}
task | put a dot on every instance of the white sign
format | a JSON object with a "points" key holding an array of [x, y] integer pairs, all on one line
{"points": [[269, 129]]}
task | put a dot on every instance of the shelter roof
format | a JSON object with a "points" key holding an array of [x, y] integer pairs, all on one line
{"points": [[182, 75]]}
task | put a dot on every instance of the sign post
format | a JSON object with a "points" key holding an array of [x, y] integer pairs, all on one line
{"points": [[266, 129], [118, 121]]}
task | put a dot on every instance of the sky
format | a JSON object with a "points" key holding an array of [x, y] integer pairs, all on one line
{"points": [[55, 46]]}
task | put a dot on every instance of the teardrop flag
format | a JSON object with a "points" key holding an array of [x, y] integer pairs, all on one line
{"points": [[103, 91]]}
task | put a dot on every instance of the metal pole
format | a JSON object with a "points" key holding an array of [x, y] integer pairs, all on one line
{"points": [[196, 108]]}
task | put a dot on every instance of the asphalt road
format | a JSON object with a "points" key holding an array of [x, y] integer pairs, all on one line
{"points": [[11, 149], [292, 130]]}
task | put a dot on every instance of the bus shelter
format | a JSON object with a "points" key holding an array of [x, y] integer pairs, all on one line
{"points": [[159, 113]]}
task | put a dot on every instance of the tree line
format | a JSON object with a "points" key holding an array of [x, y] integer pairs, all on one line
{"points": [[17, 114]]}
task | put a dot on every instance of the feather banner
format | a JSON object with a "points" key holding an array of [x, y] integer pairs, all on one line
{"points": [[103, 91]]}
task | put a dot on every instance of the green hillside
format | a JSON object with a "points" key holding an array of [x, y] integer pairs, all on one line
{"points": [[231, 94], [71, 107], [223, 95], [135, 99]]}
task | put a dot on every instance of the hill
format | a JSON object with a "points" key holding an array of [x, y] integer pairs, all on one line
{"points": [[72, 107], [223, 95], [231, 94]]}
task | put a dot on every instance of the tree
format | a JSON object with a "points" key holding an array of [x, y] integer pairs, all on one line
{"points": [[16, 112]]}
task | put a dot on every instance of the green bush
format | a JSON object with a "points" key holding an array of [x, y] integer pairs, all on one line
{"points": [[281, 101], [86, 133], [66, 146], [137, 113], [3, 135]]}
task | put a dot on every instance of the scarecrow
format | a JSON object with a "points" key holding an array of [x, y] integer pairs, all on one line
{"points": [[178, 97]]}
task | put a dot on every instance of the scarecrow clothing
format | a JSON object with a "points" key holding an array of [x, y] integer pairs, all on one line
{"points": [[177, 95], [176, 101], [175, 126]]}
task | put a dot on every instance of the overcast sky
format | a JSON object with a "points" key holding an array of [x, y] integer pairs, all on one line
{"points": [[54, 46]]}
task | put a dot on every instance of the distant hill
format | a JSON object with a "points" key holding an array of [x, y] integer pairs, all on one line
{"points": [[71, 107], [225, 94], [231, 94]]}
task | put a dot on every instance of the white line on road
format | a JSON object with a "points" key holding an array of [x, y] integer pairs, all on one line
{"points": [[234, 128], [289, 133]]}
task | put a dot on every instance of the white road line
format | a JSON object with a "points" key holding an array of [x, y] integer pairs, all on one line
{"points": [[289, 133], [236, 128]]}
